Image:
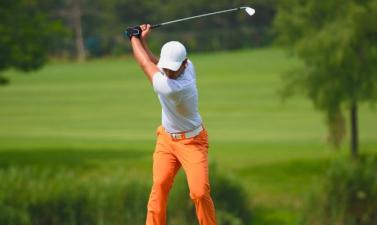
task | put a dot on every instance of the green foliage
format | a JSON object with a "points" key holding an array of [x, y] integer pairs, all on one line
{"points": [[61, 196], [104, 21], [348, 195], [230, 198], [337, 42], [26, 34]]}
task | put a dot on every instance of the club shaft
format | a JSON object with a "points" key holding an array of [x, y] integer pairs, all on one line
{"points": [[194, 17]]}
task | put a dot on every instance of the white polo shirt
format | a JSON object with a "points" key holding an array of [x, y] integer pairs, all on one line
{"points": [[179, 100]]}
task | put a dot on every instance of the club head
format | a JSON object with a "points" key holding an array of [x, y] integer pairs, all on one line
{"points": [[249, 10]]}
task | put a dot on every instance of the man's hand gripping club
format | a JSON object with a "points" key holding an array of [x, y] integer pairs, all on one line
{"points": [[142, 54]]}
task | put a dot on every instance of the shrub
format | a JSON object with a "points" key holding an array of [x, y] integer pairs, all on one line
{"points": [[53, 196], [231, 201], [348, 195]]}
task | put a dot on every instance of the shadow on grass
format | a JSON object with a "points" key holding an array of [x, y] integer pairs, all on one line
{"points": [[281, 216], [70, 157], [3, 81], [291, 170]]}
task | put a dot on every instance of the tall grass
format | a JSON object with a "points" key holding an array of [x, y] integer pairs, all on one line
{"points": [[43, 196], [32, 196]]}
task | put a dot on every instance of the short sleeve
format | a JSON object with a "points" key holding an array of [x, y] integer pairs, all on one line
{"points": [[163, 85]]}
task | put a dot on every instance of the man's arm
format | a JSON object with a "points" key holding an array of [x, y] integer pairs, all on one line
{"points": [[151, 56], [146, 28], [142, 57]]}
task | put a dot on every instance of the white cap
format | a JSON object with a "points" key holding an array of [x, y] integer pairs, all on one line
{"points": [[173, 53]]}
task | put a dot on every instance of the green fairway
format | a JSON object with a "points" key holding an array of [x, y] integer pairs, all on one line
{"points": [[102, 114]]}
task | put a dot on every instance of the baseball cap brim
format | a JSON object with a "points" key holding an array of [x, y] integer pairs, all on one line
{"points": [[169, 65]]}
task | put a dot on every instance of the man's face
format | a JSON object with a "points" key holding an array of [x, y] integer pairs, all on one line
{"points": [[175, 74]]}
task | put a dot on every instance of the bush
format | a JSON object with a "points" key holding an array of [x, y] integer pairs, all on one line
{"points": [[348, 195], [47, 196], [231, 201], [50, 196]]}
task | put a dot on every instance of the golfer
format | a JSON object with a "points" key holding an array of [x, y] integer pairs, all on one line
{"points": [[182, 140]]}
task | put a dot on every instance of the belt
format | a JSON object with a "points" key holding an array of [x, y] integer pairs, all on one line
{"points": [[188, 134]]}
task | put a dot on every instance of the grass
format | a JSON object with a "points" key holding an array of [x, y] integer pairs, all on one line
{"points": [[102, 114]]}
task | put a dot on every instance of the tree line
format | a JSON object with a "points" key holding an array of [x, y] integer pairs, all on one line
{"points": [[31, 31], [94, 28]]}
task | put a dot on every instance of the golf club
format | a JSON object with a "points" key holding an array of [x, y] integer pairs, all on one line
{"points": [[250, 11]]}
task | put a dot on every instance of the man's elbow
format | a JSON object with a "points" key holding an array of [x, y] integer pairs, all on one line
{"points": [[149, 69]]}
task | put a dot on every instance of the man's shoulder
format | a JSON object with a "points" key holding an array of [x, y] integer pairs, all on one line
{"points": [[190, 69]]}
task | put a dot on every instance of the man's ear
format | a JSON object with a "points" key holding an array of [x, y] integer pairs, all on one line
{"points": [[185, 62]]}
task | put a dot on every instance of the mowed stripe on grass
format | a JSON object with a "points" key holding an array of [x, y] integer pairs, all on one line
{"points": [[111, 99]]}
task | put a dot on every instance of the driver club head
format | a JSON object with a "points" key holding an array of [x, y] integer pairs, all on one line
{"points": [[249, 10]]}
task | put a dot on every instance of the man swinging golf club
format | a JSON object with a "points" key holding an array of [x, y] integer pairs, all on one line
{"points": [[182, 140]]}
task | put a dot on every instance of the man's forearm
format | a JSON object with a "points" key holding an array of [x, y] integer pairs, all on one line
{"points": [[150, 54], [143, 59], [139, 51]]}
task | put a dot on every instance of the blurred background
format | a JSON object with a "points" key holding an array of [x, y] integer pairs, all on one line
{"points": [[287, 95]]}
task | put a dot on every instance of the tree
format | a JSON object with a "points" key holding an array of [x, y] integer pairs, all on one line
{"points": [[91, 22], [26, 33], [337, 42], [72, 11]]}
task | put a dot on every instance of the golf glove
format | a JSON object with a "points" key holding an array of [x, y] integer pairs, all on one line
{"points": [[133, 32]]}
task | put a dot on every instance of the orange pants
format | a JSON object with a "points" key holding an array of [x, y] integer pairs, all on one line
{"points": [[170, 154]]}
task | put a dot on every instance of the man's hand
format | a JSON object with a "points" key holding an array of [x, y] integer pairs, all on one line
{"points": [[143, 55], [133, 32], [146, 29]]}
